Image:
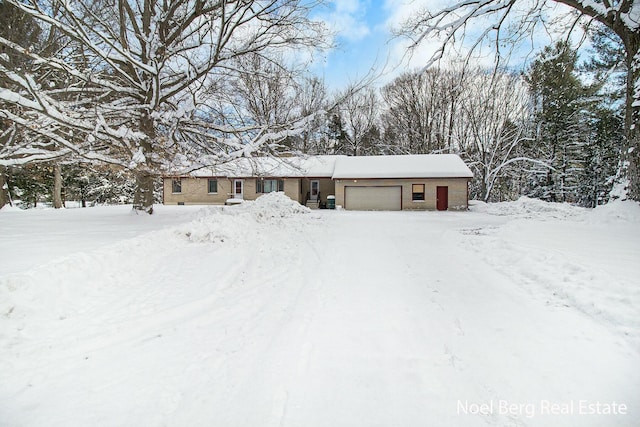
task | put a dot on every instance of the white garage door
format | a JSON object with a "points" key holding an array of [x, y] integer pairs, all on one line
{"points": [[373, 198]]}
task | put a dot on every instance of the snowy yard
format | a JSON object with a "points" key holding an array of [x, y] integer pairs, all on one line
{"points": [[266, 314]]}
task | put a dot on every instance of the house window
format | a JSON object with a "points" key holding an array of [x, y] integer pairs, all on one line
{"points": [[176, 185], [269, 185], [417, 192], [213, 186]]}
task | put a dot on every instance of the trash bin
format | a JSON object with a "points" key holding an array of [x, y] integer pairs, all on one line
{"points": [[331, 202]]}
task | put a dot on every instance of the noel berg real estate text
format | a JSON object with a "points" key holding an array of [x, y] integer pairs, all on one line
{"points": [[542, 407]]}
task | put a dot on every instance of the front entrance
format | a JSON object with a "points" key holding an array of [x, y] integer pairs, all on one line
{"points": [[238, 189], [314, 190], [442, 198]]}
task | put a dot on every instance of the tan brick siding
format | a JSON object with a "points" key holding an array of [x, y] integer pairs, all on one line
{"points": [[292, 189], [195, 191]]}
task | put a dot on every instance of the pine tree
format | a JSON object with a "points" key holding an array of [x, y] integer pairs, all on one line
{"points": [[602, 154], [335, 134], [22, 29], [559, 101], [31, 183]]}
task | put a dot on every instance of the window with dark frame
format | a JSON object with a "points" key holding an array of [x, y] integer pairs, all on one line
{"points": [[213, 185], [269, 185], [176, 185], [417, 192]]}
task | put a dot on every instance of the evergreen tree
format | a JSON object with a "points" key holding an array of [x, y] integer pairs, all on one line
{"points": [[336, 136], [30, 184], [22, 29], [100, 184], [602, 154], [608, 65], [559, 101]]}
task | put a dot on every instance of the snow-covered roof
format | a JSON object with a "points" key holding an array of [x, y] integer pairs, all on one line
{"points": [[342, 167], [286, 167], [405, 166]]}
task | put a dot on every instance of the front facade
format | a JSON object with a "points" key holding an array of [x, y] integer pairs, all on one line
{"points": [[418, 182]]}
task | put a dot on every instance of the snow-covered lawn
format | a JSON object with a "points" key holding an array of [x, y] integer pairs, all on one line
{"points": [[266, 314]]}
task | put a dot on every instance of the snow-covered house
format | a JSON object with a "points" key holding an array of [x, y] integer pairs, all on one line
{"points": [[407, 182]]}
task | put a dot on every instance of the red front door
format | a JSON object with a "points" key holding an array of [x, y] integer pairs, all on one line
{"points": [[442, 198]]}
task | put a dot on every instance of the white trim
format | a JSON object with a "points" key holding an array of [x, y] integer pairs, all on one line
{"points": [[241, 194], [311, 182]]}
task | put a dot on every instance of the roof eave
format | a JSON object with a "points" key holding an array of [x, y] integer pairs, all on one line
{"points": [[402, 177]]}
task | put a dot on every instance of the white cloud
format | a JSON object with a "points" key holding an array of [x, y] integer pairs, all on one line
{"points": [[347, 19], [402, 59], [399, 11], [347, 6], [364, 29]]}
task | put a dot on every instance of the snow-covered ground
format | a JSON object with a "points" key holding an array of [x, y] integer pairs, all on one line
{"points": [[266, 314]]}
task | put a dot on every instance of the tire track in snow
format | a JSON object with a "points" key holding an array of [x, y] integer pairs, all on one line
{"points": [[283, 321], [237, 304]]}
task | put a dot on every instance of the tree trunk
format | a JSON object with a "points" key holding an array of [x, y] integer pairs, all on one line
{"points": [[4, 190], [57, 186], [629, 169], [631, 153], [143, 198], [634, 165]]}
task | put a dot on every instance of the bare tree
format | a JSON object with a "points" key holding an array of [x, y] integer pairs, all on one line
{"points": [[507, 21], [496, 115], [312, 97], [421, 109], [410, 111], [360, 114], [143, 79], [265, 90]]}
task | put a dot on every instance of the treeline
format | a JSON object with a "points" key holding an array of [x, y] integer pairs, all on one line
{"points": [[35, 183], [553, 132]]}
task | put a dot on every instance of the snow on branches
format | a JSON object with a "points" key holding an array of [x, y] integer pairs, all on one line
{"points": [[506, 22], [138, 82]]}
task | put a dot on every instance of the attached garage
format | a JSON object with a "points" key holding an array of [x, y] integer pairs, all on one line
{"points": [[373, 198], [408, 182]]}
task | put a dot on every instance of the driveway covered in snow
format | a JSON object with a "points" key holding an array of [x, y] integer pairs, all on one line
{"points": [[268, 315]]}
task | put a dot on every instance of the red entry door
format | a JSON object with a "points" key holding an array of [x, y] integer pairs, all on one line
{"points": [[442, 198]]}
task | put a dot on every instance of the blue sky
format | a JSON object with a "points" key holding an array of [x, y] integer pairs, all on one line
{"points": [[364, 40]]}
